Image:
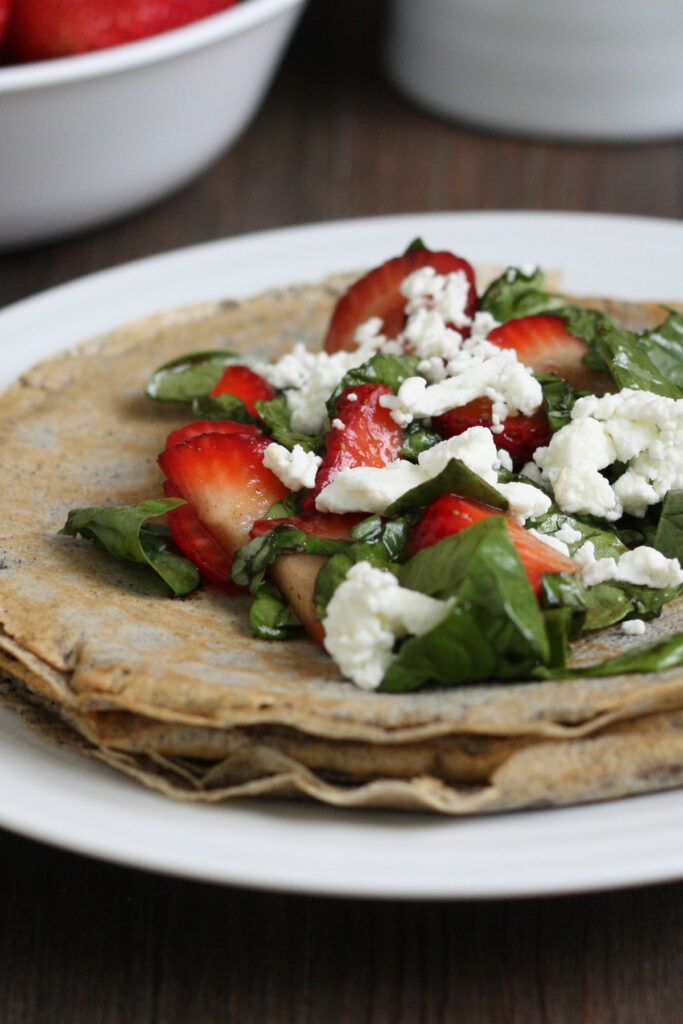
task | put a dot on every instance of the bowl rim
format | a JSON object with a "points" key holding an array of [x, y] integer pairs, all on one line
{"points": [[142, 52]]}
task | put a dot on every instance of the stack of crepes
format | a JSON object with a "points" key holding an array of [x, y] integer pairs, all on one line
{"points": [[178, 694]]}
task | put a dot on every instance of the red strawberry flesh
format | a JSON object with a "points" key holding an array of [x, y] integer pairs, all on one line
{"points": [[210, 427], [378, 294], [368, 436], [224, 479], [452, 513], [245, 384], [521, 435], [543, 342], [318, 524], [197, 544]]}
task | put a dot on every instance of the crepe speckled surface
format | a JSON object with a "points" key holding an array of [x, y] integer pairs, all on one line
{"points": [[179, 694]]}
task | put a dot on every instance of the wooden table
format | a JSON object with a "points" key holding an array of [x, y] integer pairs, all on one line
{"points": [[86, 943]]}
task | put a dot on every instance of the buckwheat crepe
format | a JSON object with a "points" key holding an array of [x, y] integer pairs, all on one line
{"points": [[178, 694]]}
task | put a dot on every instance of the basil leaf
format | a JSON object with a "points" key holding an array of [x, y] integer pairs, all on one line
{"points": [[611, 602], [223, 407], [189, 376], [288, 507], [606, 542], [664, 346], [270, 615], [252, 560], [277, 419], [417, 439], [379, 369], [495, 629], [516, 294], [559, 398], [392, 533], [120, 531], [668, 537], [454, 478]]}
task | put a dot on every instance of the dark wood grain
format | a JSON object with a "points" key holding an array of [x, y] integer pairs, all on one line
{"points": [[86, 943]]}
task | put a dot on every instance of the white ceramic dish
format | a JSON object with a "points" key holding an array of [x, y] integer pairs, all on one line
{"points": [[83, 806], [582, 69], [89, 138]]}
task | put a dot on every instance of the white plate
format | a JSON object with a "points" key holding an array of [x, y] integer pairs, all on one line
{"points": [[72, 802]]}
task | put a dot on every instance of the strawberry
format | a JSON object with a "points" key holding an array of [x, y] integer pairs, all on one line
{"points": [[42, 29], [210, 427], [245, 384], [452, 513], [225, 481], [542, 342], [521, 435], [317, 523], [4, 19], [379, 294], [368, 436], [197, 544]]}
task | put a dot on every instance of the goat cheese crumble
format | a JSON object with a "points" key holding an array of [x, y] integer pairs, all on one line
{"points": [[296, 468], [367, 613]]}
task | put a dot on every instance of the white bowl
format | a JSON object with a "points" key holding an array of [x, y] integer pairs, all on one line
{"points": [[89, 138], [586, 69]]}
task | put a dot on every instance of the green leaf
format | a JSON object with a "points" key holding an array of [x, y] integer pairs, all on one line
{"points": [[515, 294], [669, 534], [664, 346], [334, 571], [559, 398], [606, 542], [223, 407], [270, 615], [415, 246], [287, 508], [189, 377], [454, 478], [495, 629], [417, 439], [380, 369], [277, 420], [251, 561], [120, 530], [655, 657], [630, 365]]}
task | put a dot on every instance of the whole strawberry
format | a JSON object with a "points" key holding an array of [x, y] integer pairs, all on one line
{"points": [[41, 29]]}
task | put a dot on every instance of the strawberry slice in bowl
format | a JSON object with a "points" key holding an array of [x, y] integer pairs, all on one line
{"points": [[451, 513], [378, 294], [363, 433]]}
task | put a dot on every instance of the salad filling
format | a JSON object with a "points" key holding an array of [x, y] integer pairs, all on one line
{"points": [[453, 490]]}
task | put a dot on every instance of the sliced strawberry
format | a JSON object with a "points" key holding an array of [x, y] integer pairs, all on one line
{"points": [[320, 525], [521, 435], [210, 427], [245, 384], [224, 479], [195, 541], [543, 342], [452, 513], [379, 294], [368, 436]]}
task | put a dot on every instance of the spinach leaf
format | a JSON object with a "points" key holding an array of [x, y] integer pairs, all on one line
{"points": [[379, 369], [277, 418], [223, 407], [664, 346], [559, 398], [455, 478], [189, 376], [495, 629], [417, 439], [121, 531], [270, 615], [252, 560], [668, 537], [611, 602], [629, 364], [515, 294], [655, 657]]}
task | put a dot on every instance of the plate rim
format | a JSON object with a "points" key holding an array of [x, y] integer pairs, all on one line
{"points": [[614, 875]]}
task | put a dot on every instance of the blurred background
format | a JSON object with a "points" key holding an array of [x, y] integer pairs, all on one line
{"points": [[335, 139]]}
